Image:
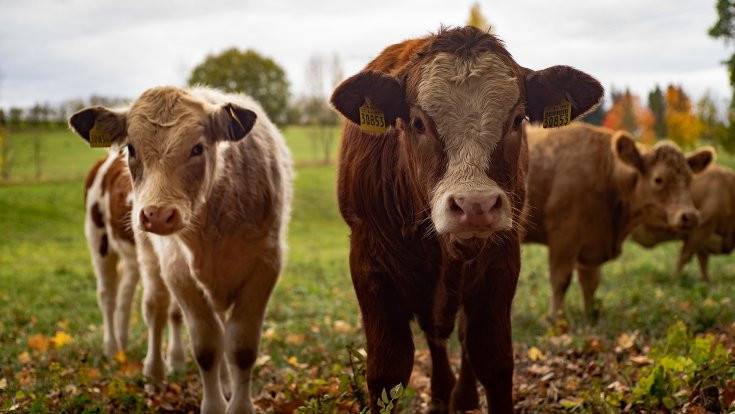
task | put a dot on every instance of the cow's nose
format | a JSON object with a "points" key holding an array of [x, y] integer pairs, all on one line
{"points": [[160, 220], [688, 219], [475, 210]]}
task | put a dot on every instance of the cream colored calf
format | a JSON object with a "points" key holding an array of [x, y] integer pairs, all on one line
{"points": [[212, 189]]}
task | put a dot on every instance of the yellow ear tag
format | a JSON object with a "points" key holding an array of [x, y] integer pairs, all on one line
{"points": [[557, 115], [371, 118], [99, 138]]}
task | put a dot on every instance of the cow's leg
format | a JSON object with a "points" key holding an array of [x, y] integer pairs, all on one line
{"points": [[205, 331], [125, 297], [561, 266], [442, 377], [589, 279], [390, 348], [464, 395], [156, 298], [224, 370], [703, 260], [242, 336], [105, 267], [685, 255], [176, 360], [489, 346]]}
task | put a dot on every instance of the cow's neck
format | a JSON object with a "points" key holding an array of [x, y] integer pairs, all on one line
{"points": [[627, 209]]}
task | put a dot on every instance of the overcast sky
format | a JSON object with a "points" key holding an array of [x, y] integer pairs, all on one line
{"points": [[52, 50]]}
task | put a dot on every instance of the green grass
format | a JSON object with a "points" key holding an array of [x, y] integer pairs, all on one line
{"points": [[47, 285]]}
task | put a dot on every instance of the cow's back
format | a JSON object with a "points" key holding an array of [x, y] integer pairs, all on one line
{"points": [[569, 182], [713, 192], [107, 199]]}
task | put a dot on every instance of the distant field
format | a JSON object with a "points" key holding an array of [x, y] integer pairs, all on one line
{"points": [[47, 286], [65, 156]]}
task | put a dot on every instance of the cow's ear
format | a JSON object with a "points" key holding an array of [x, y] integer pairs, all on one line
{"points": [[231, 122], [559, 84], [109, 126], [700, 159], [385, 93], [627, 151]]}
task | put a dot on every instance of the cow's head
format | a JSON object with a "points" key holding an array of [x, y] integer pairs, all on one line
{"points": [[458, 108], [663, 176], [171, 139]]}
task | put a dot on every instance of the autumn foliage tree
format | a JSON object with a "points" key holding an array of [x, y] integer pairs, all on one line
{"points": [[681, 124], [628, 114], [477, 20]]}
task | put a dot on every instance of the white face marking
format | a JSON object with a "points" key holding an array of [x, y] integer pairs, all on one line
{"points": [[469, 101]]}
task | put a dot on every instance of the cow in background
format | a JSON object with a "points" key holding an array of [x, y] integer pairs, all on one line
{"points": [[431, 182], [588, 187], [211, 178], [713, 192], [108, 198]]}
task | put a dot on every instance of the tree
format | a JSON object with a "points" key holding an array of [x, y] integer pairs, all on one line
{"points": [[657, 105], [681, 124], [628, 114], [724, 29], [15, 117], [478, 20], [247, 72], [597, 116], [314, 107], [707, 118]]}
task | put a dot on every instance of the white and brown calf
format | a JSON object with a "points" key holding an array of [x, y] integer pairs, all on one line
{"points": [[211, 178], [108, 197]]}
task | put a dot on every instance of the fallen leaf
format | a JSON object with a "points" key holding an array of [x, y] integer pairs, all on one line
{"points": [[535, 354], [91, 373], [641, 360], [295, 339], [270, 333], [571, 402], [293, 361], [538, 369], [24, 357], [61, 338], [38, 342], [63, 325], [341, 326], [120, 356], [626, 341], [3, 383]]}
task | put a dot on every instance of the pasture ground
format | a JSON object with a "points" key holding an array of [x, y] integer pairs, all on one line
{"points": [[658, 343]]}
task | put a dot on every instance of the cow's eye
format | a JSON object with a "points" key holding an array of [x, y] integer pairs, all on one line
{"points": [[517, 122], [658, 180], [418, 125], [197, 150], [131, 151]]}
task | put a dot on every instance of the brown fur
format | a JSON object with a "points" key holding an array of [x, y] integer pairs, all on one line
{"points": [[401, 268], [588, 187], [713, 192]]}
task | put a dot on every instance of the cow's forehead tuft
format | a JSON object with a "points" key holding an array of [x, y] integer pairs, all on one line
{"points": [[165, 106]]}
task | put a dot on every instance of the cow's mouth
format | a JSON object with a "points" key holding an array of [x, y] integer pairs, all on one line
{"points": [[472, 234]]}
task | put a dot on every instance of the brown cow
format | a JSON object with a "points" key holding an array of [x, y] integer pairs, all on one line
{"points": [[588, 187], [108, 197], [212, 194], [713, 192], [434, 201]]}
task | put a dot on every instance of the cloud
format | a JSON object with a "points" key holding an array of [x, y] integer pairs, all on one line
{"points": [[55, 50]]}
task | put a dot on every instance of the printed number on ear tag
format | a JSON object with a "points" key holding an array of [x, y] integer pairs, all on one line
{"points": [[557, 115], [98, 138], [371, 118]]}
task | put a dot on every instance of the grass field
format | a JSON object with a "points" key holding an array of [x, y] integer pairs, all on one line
{"points": [[50, 335]]}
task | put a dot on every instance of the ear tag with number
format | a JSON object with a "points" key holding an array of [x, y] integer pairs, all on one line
{"points": [[99, 138], [557, 115], [371, 118]]}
